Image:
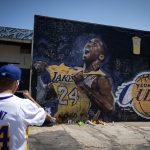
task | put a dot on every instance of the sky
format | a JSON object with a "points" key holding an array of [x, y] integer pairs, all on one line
{"points": [[133, 14]]}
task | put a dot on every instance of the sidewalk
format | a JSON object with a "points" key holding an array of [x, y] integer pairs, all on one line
{"points": [[112, 136]]}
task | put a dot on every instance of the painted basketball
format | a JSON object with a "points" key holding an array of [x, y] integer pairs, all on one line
{"points": [[141, 95]]}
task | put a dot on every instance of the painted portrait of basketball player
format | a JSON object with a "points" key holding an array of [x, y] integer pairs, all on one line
{"points": [[79, 68], [82, 91], [93, 81]]}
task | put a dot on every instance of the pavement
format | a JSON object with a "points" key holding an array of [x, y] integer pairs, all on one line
{"points": [[111, 136]]}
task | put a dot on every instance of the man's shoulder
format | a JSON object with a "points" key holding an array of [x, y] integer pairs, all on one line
{"points": [[17, 98], [18, 101]]}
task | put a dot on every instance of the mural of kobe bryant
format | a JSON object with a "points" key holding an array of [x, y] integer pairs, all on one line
{"points": [[93, 81]]}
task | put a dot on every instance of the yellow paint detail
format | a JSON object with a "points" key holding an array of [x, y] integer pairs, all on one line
{"points": [[27, 134], [71, 99]]}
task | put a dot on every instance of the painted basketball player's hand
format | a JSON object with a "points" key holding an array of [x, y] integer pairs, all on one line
{"points": [[78, 77]]}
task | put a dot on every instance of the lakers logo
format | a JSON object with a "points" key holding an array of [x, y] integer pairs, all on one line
{"points": [[136, 94]]}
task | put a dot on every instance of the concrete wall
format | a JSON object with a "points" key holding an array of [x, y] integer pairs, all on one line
{"points": [[18, 53], [15, 54]]}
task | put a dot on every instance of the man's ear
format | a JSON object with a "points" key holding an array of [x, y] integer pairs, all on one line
{"points": [[15, 86], [101, 57], [18, 82]]}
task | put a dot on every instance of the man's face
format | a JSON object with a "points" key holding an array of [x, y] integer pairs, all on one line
{"points": [[92, 50]]}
